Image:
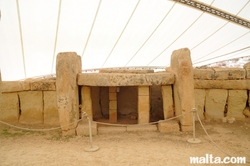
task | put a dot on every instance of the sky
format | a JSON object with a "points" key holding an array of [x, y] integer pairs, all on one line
{"points": [[111, 33]]}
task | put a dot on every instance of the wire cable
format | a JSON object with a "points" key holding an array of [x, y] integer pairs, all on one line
{"points": [[92, 26], [121, 32], [21, 37], [57, 27], [151, 34]]}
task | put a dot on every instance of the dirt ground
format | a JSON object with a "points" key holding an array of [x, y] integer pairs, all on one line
{"points": [[26, 148]]}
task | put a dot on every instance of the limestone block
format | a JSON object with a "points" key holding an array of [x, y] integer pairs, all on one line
{"points": [[112, 104], [204, 74], [110, 129], [143, 109], [215, 103], [229, 73], [236, 103], [15, 86], [222, 84], [51, 116], [86, 101], [199, 95], [246, 112], [134, 128], [143, 90], [168, 126], [184, 101], [67, 68], [112, 96], [135, 71], [31, 107], [168, 104], [83, 128], [9, 107], [247, 65], [43, 84], [121, 79], [113, 115], [247, 68]]}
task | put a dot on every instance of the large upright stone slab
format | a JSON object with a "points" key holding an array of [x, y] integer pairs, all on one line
{"points": [[215, 103], [199, 95], [168, 104], [31, 103], [181, 65], [51, 116], [86, 101], [143, 104], [236, 103], [9, 107], [67, 68]]}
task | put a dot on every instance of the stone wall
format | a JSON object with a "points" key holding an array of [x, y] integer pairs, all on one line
{"points": [[31, 101], [218, 92]]}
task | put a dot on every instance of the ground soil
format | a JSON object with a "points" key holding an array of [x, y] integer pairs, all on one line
{"points": [[27, 148]]}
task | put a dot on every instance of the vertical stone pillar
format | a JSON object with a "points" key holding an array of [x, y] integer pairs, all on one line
{"points": [[168, 104], [67, 68], [112, 104], [86, 101], [184, 100], [143, 104]]}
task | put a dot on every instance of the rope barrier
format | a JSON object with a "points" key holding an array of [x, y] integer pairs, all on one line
{"points": [[28, 129]]}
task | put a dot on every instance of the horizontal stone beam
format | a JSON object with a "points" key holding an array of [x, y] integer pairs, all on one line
{"points": [[222, 84], [121, 79]]}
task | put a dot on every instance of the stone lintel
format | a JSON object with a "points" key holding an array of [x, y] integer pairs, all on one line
{"points": [[222, 84], [43, 84], [15, 86], [126, 71], [118, 79], [229, 73]]}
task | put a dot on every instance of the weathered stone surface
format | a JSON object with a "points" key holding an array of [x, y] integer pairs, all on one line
{"points": [[67, 68], [118, 79], [247, 65], [31, 107], [110, 129], [133, 128], [236, 103], [168, 126], [51, 116], [222, 84], [43, 84], [199, 95], [86, 101], [215, 103], [134, 71], [246, 112], [15, 86], [143, 104], [229, 73], [83, 128], [168, 103], [9, 107], [203, 74], [181, 65], [112, 105], [247, 73]]}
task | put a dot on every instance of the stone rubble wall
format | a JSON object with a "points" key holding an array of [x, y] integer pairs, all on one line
{"points": [[218, 92]]}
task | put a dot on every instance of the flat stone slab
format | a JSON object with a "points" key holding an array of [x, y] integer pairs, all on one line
{"points": [[142, 128], [121, 79], [222, 84], [111, 129], [168, 126]]}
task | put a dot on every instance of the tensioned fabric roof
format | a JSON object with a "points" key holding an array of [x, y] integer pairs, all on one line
{"points": [[115, 33]]}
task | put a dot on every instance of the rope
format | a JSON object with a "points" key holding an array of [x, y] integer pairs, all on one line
{"points": [[50, 129], [150, 123]]}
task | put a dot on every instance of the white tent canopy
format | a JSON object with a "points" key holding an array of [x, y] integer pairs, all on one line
{"points": [[115, 33]]}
